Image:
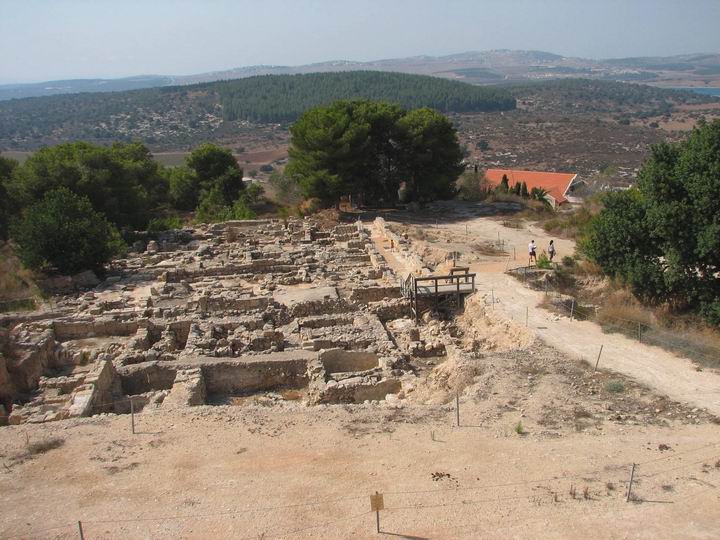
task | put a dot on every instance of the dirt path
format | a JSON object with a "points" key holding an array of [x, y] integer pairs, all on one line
{"points": [[664, 371], [673, 376]]}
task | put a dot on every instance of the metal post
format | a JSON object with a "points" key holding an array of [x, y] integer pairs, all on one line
{"points": [[457, 408], [572, 309], [377, 519], [632, 476], [598, 358], [514, 254], [639, 333], [80, 530], [132, 415]]}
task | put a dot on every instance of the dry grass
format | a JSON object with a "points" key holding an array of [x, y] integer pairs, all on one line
{"points": [[489, 248], [16, 283], [687, 335]]}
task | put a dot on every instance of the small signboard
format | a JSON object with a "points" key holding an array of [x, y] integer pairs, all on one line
{"points": [[376, 502]]}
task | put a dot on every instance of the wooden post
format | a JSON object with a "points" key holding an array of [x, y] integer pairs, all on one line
{"points": [[639, 333], [80, 530], [457, 408], [598, 358], [377, 504], [132, 415], [458, 293], [572, 309], [632, 476], [514, 254]]}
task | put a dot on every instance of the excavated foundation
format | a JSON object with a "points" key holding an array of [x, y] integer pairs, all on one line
{"points": [[207, 315]]}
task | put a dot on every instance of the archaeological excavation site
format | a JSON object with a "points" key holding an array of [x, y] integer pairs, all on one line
{"points": [[219, 314]]}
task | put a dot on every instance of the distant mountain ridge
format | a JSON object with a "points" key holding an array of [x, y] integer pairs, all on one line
{"points": [[476, 67]]}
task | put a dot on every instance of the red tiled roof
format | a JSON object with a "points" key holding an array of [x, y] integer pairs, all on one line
{"points": [[556, 184]]}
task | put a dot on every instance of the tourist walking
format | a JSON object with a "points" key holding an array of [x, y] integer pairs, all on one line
{"points": [[531, 252], [551, 250]]}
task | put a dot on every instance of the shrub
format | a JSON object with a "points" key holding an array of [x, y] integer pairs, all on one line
{"points": [[309, 207], [568, 261], [519, 429], [615, 386], [164, 224], [64, 231], [470, 188], [212, 208], [543, 262], [252, 194]]}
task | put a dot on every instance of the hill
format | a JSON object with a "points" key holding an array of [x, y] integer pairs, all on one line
{"points": [[184, 114], [481, 67]]}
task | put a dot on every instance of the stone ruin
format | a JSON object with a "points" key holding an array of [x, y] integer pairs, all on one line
{"points": [[206, 315]]}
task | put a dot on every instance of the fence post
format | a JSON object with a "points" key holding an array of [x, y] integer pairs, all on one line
{"points": [[632, 476], [80, 530], [639, 333], [572, 309], [598, 358], [457, 407], [132, 415], [514, 254]]}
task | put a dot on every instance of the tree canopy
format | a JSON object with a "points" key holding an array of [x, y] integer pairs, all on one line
{"points": [[122, 181], [64, 231], [663, 238], [184, 115], [371, 149]]}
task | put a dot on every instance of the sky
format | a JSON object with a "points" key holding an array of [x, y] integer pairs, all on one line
{"points": [[44, 40]]}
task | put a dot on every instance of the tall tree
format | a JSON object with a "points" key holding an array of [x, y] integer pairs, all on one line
{"points": [[368, 149], [7, 166], [122, 181], [63, 231], [432, 154], [664, 239]]}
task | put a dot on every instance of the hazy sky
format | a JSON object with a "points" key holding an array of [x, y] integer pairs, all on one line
{"points": [[56, 39]]}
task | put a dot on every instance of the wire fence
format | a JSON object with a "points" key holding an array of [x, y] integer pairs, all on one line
{"points": [[643, 332], [418, 505]]}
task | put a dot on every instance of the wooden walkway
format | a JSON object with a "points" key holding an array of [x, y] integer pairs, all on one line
{"points": [[438, 291]]}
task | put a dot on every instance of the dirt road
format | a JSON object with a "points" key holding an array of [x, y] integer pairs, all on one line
{"points": [[666, 372]]}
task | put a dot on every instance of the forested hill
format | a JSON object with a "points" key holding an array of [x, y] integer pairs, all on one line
{"points": [[284, 97], [185, 114]]}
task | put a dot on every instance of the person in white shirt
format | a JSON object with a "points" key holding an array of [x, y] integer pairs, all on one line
{"points": [[551, 250], [531, 252]]}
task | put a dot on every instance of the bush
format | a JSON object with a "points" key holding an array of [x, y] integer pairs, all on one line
{"points": [[309, 207], [212, 208], [62, 230], [252, 194], [164, 224], [615, 386], [568, 261], [543, 262], [470, 188]]}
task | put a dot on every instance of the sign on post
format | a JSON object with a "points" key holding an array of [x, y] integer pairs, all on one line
{"points": [[377, 504]]}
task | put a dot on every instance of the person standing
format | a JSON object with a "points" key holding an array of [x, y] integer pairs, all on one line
{"points": [[531, 252], [551, 250]]}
